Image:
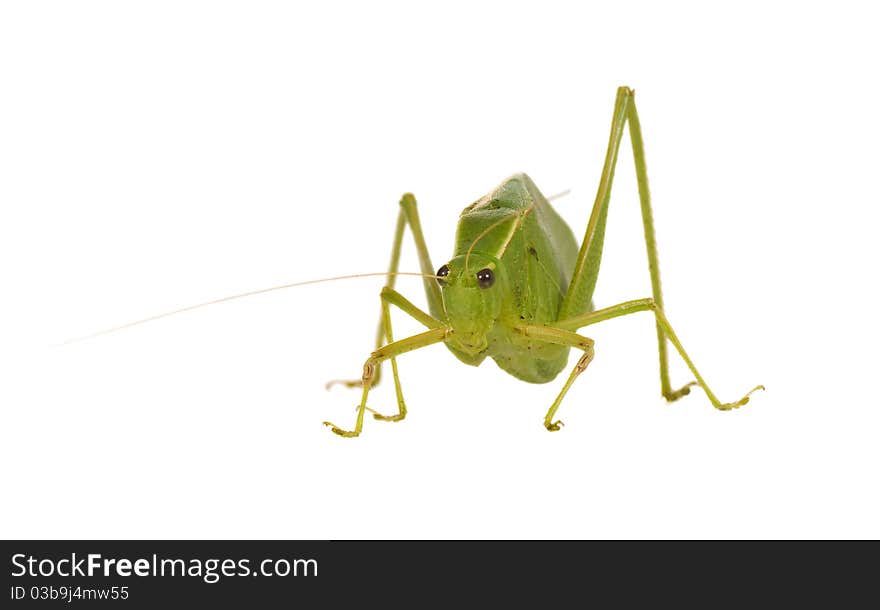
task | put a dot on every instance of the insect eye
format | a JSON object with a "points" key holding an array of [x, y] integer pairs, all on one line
{"points": [[485, 278], [441, 273]]}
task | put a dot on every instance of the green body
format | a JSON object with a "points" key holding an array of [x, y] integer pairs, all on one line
{"points": [[537, 250]]}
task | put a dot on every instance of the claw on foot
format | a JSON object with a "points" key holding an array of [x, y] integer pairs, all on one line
{"points": [[744, 400], [683, 391], [553, 426], [340, 431]]}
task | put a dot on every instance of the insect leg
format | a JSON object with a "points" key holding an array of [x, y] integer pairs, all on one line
{"points": [[586, 271], [389, 338], [560, 336], [391, 350], [408, 215], [392, 297], [389, 296], [630, 307]]}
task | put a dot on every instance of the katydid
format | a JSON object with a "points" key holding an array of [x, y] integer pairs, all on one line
{"points": [[518, 287]]}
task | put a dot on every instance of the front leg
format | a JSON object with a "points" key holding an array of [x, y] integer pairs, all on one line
{"points": [[567, 338], [389, 296], [391, 350]]}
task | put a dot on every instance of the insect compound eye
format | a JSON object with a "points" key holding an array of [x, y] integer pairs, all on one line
{"points": [[442, 272], [485, 278]]}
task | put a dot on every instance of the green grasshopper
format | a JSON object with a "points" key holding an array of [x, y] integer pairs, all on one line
{"points": [[518, 287]]}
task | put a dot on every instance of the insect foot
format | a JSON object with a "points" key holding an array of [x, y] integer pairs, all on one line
{"points": [[745, 399], [553, 426], [341, 432], [396, 417], [683, 391]]}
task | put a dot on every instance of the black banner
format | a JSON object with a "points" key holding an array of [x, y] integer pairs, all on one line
{"points": [[153, 573]]}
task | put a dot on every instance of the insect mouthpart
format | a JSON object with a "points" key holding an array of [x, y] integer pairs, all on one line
{"points": [[472, 344]]}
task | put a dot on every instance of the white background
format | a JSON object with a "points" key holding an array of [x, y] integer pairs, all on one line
{"points": [[155, 155]]}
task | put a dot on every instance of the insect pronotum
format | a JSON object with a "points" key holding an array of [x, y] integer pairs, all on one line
{"points": [[517, 289]]}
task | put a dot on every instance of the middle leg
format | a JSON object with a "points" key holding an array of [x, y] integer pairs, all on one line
{"points": [[630, 307], [408, 215]]}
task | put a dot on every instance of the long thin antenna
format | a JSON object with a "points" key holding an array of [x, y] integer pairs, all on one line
{"points": [[251, 293], [559, 195], [467, 257], [516, 219]]}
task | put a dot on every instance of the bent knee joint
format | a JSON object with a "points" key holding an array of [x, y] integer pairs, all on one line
{"points": [[408, 200], [585, 360], [369, 372]]}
